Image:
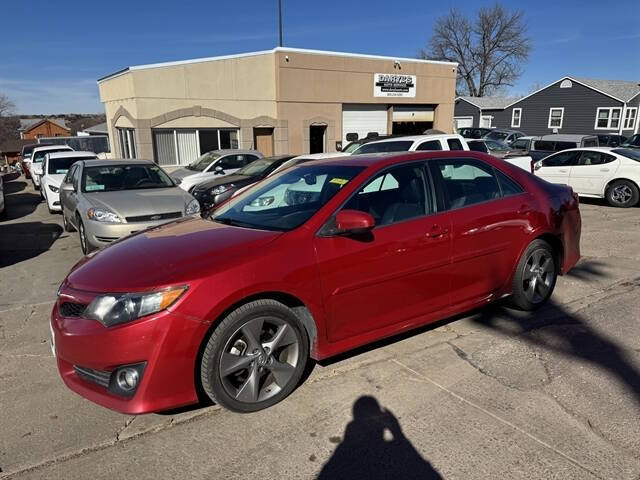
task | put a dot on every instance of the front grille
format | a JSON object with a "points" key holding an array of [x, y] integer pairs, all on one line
{"points": [[154, 217], [71, 309], [106, 239], [99, 377]]}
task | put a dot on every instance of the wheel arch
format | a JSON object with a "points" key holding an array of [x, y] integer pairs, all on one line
{"points": [[556, 244], [299, 308], [610, 182]]}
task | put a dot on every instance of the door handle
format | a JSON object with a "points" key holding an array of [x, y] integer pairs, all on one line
{"points": [[604, 169], [437, 231], [563, 171], [524, 210]]}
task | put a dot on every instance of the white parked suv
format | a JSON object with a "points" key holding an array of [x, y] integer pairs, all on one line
{"points": [[599, 172], [37, 157], [416, 143], [54, 168]]}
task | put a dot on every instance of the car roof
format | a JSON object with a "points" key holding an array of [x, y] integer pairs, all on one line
{"points": [[120, 161], [415, 138], [564, 137], [51, 147], [71, 154]]}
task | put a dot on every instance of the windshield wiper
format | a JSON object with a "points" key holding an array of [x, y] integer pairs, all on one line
{"points": [[235, 223]]}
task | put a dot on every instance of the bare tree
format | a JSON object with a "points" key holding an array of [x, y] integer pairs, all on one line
{"points": [[489, 48], [6, 105], [9, 124]]}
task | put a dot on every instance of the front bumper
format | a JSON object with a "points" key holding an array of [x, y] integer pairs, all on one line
{"points": [[168, 342], [53, 199], [102, 234]]}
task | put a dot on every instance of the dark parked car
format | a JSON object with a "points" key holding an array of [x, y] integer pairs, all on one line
{"points": [[633, 142], [609, 140], [541, 147], [473, 132], [504, 135], [235, 305], [213, 192]]}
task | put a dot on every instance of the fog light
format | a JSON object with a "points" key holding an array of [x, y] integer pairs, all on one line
{"points": [[128, 379]]}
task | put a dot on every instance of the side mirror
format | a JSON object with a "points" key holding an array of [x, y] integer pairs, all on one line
{"points": [[537, 166], [354, 222], [218, 169], [67, 187]]}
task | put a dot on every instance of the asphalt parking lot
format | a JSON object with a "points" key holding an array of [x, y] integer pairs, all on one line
{"points": [[496, 394]]}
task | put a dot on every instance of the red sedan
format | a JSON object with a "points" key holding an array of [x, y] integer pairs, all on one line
{"points": [[312, 262]]}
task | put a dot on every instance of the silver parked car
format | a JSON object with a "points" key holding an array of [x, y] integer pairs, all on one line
{"points": [[109, 199]]}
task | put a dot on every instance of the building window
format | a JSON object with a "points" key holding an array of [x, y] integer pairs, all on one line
{"points": [[485, 121], [630, 115], [127, 138], [183, 146], [566, 84], [608, 118], [516, 115], [556, 116]]}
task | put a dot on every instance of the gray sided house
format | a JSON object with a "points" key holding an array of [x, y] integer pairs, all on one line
{"points": [[572, 105]]}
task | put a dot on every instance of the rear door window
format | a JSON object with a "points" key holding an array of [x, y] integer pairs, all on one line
{"points": [[595, 158], [468, 182], [562, 159]]}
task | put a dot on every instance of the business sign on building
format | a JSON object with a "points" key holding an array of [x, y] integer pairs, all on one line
{"points": [[394, 85]]}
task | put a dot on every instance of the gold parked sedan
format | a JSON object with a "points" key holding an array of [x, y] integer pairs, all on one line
{"points": [[106, 200]]}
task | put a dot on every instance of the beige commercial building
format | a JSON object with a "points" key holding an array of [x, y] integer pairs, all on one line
{"points": [[278, 101]]}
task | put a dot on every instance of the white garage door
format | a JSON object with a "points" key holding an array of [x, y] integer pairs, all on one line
{"points": [[464, 122], [363, 119]]}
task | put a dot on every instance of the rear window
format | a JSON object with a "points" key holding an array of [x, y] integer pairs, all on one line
{"points": [[592, 142], [430, 145], [629, 153], [454, 144], [383, 147], [478, 147]]}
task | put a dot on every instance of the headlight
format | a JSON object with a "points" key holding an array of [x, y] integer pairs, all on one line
{"points": [[193, 208], [221, 189], [116, 309], [101, 215], [53, 189], [262, 201]]}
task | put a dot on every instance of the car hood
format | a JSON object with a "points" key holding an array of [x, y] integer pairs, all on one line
{"points": [[182, 173], [238, 180], [55, 180], [131, 203], [176, 253]]}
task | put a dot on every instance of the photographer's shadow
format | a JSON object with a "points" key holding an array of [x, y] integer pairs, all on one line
{"points": [[375, 447]]}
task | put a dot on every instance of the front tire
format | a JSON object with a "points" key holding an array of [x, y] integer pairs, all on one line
{"points": [[65, 223], [255, 357], [84, 242], [623, 194], [535, 276]]}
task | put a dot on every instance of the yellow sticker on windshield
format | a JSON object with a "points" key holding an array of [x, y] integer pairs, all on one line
{"points": [[339, 181]]}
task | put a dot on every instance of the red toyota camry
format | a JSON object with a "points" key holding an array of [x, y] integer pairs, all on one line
{"points": [[312, 262]]}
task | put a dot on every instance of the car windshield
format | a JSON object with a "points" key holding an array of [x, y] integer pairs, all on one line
{"points": [[27, 155], [498, 146], [203, 161], [39, 156], [255, 168], [634, 141], [382, 147], [124, 177], [287, 200], [60, 166], [628, 152], [495, 135]]}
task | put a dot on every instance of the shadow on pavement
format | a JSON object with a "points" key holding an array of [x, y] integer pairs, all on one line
{"points": [[22, 241], [374, 447], [14, 187], [18, 205]]}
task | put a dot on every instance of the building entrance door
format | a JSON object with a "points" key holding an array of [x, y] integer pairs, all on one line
{"points": [[317, 134], [263, 140]]}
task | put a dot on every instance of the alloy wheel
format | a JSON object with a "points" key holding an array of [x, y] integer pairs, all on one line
{"points": [[621, 194], [538, 276], [259, 359], [83, 238]]}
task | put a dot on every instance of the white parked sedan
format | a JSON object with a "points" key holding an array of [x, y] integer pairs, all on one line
{"points": [[37, 156], [54, 168], [598, 172]]}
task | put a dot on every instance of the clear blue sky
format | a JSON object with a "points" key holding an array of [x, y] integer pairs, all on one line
{"points": [[51, 53]]}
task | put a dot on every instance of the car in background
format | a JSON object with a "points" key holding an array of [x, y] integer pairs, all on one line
{"points": [[492, 147], [475, 133], [235, 305], [213, 192], [598, 172], [611, 140], [25, 157], [414, 143], [210, 165], [504, 135], [353, 146], [106, 200], [633, 142], [545, 145], [54, 168], [37, 157]]}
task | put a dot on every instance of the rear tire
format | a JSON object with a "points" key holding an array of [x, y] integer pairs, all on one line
{"points": [[535, 276], [623, 194], [255, 357]]}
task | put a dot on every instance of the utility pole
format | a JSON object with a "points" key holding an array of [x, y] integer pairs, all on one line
{"points": [[280, 19]]}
